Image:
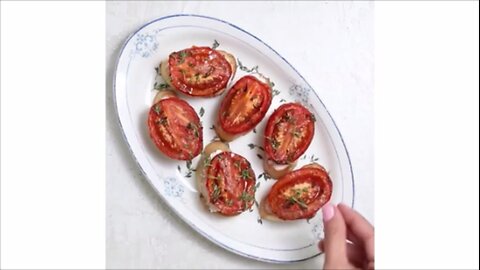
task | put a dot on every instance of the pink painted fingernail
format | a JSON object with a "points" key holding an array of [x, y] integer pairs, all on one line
{"points": [[328, 212]]}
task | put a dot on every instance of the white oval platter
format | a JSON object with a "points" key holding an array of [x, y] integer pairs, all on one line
{"points": [[174, 181]]}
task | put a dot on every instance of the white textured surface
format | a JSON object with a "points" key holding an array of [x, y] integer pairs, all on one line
{"points": [[329, 43]]}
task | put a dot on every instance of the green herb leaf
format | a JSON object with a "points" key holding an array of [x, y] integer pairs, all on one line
{"points": [[252, 146], [182, 55], [160, 86], [274, 143], [246, 197], [312, 116], [244, 68], [215, 44], [256, 186], [300, 202], [201, 112], [245, 174], [265, 176], [259, 220], [259, 156], [275, 92], [207, 161], [216, 192], [282, 100]]}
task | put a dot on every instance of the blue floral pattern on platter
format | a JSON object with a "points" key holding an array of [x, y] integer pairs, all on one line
{"points": [[172, 187], [145, 44], [301, 94], [317, 231]]}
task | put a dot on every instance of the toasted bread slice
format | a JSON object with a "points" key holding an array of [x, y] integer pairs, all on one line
{"points": [[223, 135], [277, 170], [165, 73], [266, 213], [162, 94]]}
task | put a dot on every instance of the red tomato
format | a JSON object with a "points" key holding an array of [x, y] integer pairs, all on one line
{"points": [[288, 133], [199, 71], [245, 105], [230, 183], [175, 128], [301, 193]]}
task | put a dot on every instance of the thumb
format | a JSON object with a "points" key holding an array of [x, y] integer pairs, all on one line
{"points": [[334, 244]]}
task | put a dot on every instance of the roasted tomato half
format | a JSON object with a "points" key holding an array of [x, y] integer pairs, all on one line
{"points": [[301, 193], [175, 128], [199, 71], [245, 105], [230, 183], [288, 133]]}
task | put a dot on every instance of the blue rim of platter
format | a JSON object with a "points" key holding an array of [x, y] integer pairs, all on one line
{"points": [[143, 172]]}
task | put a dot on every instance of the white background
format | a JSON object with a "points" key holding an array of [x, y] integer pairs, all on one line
{"points": [[426, 134], [333, 50]]}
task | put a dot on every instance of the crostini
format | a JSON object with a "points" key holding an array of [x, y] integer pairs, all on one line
{"points": [[199, 71], [243, 107], [225, 180], [175, 127], [288, 134], [297, 195]]}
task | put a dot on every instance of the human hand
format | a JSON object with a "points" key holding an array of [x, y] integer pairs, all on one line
{"points": [[342, 223]]}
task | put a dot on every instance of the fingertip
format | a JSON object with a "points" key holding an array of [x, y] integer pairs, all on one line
{"points": [[328, 211], [321, 245], [335, 230], [343, 205]]}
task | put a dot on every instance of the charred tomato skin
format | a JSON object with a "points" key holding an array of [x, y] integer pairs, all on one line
{"points": [[288, 133], [300, 193], [230, 183], [245, 105], [175, 128], [199, 71]]}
